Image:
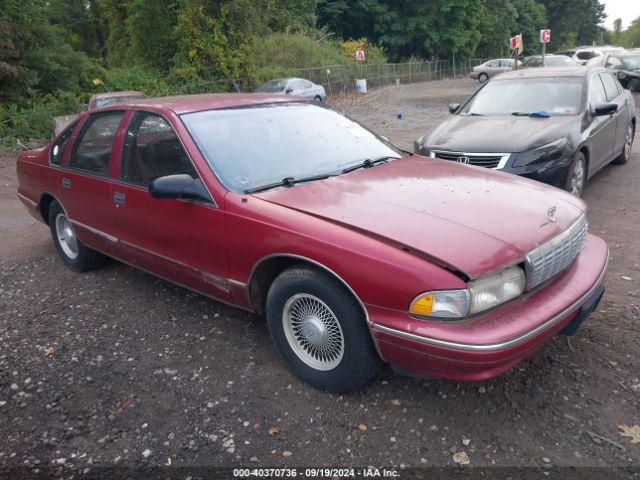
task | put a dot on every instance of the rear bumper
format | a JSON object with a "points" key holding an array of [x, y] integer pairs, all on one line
{"points": [[488, 345]]}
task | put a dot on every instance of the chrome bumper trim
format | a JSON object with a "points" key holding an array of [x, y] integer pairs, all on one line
{"points": [[508, 343], [27, 200]]}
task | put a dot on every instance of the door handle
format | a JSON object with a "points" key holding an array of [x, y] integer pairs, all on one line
{"points": [[119, 198], [66, 182]]}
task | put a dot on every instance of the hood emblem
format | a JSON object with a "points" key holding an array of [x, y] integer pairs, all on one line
{"points": [[551, 214], [464, 160]]}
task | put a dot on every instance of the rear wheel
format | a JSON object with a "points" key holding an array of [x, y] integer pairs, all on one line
{"points": [[577, 175], [483, 77], [73, 252], [628, 143], [320, 331]]}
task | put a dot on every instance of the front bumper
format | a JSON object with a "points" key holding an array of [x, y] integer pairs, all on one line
{"points": [[490, 344], [552, 173]]}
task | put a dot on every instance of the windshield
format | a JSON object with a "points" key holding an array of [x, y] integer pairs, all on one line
{"points": [[252, 147], [632, 63], [555, 96], [272, 86]]}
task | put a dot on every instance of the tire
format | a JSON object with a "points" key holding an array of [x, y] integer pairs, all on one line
{"points": [[625, 155], [308, 305], [74, 254], [483, 77], [318, 98], [575, 182]]}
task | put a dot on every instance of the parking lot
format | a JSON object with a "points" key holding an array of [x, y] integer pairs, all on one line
{"points": [[118, 367]]}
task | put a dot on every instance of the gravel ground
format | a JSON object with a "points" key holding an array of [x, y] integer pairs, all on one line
{"points": [[116, 367]]}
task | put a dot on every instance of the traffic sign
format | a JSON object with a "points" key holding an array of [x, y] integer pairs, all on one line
{"points": [[360, 55], [545, 36]]}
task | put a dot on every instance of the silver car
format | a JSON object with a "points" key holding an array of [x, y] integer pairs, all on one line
{"points": [[483, 72], [294, 86]]}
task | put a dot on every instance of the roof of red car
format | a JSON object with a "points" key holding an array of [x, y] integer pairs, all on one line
{"points": [[211, 101]]}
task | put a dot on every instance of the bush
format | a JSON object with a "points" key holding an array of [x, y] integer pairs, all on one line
{"points": [[33, 120]]}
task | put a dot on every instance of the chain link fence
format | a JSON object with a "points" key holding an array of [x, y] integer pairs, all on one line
{"points": [[337, 79]]}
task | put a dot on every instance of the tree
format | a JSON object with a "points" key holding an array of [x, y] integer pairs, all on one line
{"points": [[498, 23], [151, 26], [530, 20], [574, 22]]}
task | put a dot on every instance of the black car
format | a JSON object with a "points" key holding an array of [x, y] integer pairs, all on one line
{"points": [[558, 126], [627, 68]]}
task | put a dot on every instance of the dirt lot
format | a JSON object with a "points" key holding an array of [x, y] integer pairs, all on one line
{"points": [[118, 367]]}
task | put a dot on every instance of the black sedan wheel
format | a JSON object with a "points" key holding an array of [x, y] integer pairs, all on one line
{"points": [[628, 144], [483, 77], [577, 175], [319, 330]]}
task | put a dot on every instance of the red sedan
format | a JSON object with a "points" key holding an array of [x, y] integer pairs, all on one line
{"points": [[356, 252]]}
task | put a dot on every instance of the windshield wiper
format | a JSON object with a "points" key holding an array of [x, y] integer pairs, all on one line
{"points": [[288, 182], [368, 163], [538, 114]]}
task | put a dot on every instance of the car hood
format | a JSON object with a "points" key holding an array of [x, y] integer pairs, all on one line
{"points": [[498, 134], [466, 218]]}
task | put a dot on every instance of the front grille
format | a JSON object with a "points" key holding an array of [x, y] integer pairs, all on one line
{"points": [[487, 160], [549, 259]]}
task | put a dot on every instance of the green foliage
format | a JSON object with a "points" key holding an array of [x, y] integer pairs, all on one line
{"points": [[631, 36], [497, 24], [531, 18], [151, 26], [573, 22], [33, 119]]}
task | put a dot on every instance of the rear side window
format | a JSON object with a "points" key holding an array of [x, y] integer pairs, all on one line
{"points": [[587, 55], [610, 86], [92, 150], [57, 149], [152, 150], [494, 63]]}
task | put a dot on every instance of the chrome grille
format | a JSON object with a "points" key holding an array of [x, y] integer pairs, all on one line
{"points": [[487, 160], [549, 259]]}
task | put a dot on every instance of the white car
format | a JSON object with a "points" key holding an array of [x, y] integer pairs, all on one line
{"points": [[294, 86], [593, 55]]}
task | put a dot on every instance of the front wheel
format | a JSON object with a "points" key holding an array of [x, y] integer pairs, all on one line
{"points": [[626, 149], [483, 77], [73, 252], [318, 99], [577, 175], [320, 331]]}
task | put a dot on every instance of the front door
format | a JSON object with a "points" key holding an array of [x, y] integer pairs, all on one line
{"points": [[623, 118], [85, 184], [603, 128], [182, 241]]}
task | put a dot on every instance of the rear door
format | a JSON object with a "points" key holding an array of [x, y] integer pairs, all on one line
{"points": [[85, 183], [622, 117], [182, 241]]}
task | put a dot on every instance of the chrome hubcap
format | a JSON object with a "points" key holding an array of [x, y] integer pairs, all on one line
{"points": [[66, 236], [313, 332], [628, 142], [577, 178]]}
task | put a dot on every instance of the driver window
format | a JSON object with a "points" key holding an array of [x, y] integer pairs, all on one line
{"points": [[614, 63], [152, 150], [596, 92]]}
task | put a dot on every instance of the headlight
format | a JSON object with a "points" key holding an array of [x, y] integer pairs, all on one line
{"points": [[545, 153], [480, 295]]}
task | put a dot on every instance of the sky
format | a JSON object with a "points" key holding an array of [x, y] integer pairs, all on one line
{"points": [[627, 10]]}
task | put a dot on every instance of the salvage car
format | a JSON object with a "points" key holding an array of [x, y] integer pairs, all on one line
{"points": [[488, 69], [536, 61], [299, 87], [557, 126], [356, 252], [96, 101], [626, 67]]}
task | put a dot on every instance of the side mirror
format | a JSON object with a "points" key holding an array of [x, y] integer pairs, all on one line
{"points": [[622, 76], [605, 108], [288, 90], [453, 108], [180, 186]]}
